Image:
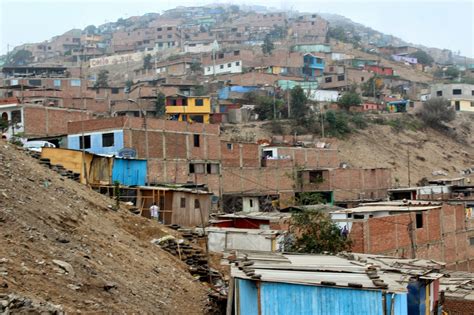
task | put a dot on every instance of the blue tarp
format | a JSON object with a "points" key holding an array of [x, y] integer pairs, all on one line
{"points": [[223, 93], [129, 172]]}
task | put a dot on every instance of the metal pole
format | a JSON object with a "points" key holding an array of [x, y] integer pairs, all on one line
{"points": [[274, 106], [408, 162]]}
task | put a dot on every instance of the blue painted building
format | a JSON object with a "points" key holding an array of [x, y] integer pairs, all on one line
{"points": [[313, 66], [320, 284], [106, 142]]}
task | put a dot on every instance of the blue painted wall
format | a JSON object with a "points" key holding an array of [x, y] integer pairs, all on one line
{"points": [[285, 298], [129, 172], [223, 93], [96, 143]]}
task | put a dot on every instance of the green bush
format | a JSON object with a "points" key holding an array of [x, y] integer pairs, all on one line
{"points": [[337, 124], [359, 121]]}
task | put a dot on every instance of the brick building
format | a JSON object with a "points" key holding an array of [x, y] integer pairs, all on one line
{"points": [[430, 230], [343, 81]]}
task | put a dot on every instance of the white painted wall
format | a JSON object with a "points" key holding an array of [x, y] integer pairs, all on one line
{"points": [[228, 67], [250, 204], [222, 239]]}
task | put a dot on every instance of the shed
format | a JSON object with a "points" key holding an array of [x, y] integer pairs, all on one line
{"points": [[178, 205], [130, 172]]}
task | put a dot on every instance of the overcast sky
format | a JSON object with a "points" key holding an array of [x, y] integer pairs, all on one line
{"points": [[441, 24]]}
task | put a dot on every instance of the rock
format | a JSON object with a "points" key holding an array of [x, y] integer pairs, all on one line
{"points": [[109, 286], [62, 240], [65, 266], [73, 287], [3, 260]]}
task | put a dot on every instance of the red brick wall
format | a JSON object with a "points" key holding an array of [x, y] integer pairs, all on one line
{"points": [[443, 237], [49, 121], [454, 306], [241, 154]]}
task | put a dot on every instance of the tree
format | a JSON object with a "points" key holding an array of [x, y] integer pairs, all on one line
{"points": [[422, 57], [299, 106], [234, 9], [267, 46], [337, 123], [314, 232], [102, 79], [90, 30], [21, 57], [160, 103], [4, 124], [436, 111], [337, 33], [372, 87], [264, 105], [147, 62], [195, 66], [349, 99], [452, 72]]}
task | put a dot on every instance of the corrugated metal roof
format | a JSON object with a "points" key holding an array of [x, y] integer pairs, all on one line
{"points": [[257, 215], [372, 272], [385, 208]]}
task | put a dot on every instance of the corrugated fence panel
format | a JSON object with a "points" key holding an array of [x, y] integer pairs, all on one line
{"points": [[248, 297], [129, 172], [286, 299]]}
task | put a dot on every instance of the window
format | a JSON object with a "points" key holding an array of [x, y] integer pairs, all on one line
{"points": [[197, 204], [221, 66], [362, 79], [457, 92], [220, 56], [159, 36], [196, 141], [34, 82], [439, 93], [230, 146], [75, 82], [419, 220], [236, 52], [229, 65], [159, 29], [251, 203], [471, 241], [328, 79], [199, 102], [197, 118], [212, 168], [315, 177], [472, 92], [115, 90], [169, 35], [208, 68], [160, 44], [57, 83], [183, 202], [340, 77], [16, 116], [237, 63], [169, 28], [472, 104], [84, 142], [107, 140], [359, 216]]}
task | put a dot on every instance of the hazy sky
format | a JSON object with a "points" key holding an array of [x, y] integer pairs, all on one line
{"points": [[441, 24]]}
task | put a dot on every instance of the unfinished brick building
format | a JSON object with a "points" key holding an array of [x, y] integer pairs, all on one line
{"points": [[238, 172], [430, 230]]}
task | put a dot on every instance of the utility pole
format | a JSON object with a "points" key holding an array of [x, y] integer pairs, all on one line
{"points": [[322, 119], [274, 106], [408, 164]]}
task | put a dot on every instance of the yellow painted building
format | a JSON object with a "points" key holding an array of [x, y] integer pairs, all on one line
{"points": [[463, 105], [189, 108]]}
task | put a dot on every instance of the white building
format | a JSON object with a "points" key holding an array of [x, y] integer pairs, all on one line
{"points": [[12, 112], [234, 66]]}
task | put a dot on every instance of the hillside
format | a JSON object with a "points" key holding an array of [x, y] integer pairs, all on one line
{"points": [[62, 247], [382, 146]]}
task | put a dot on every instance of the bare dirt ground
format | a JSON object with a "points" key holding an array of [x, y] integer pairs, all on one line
{"points": [[105, 262]]}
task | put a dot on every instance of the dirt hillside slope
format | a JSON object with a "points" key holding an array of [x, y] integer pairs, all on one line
{"points": [[60, 243]]}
